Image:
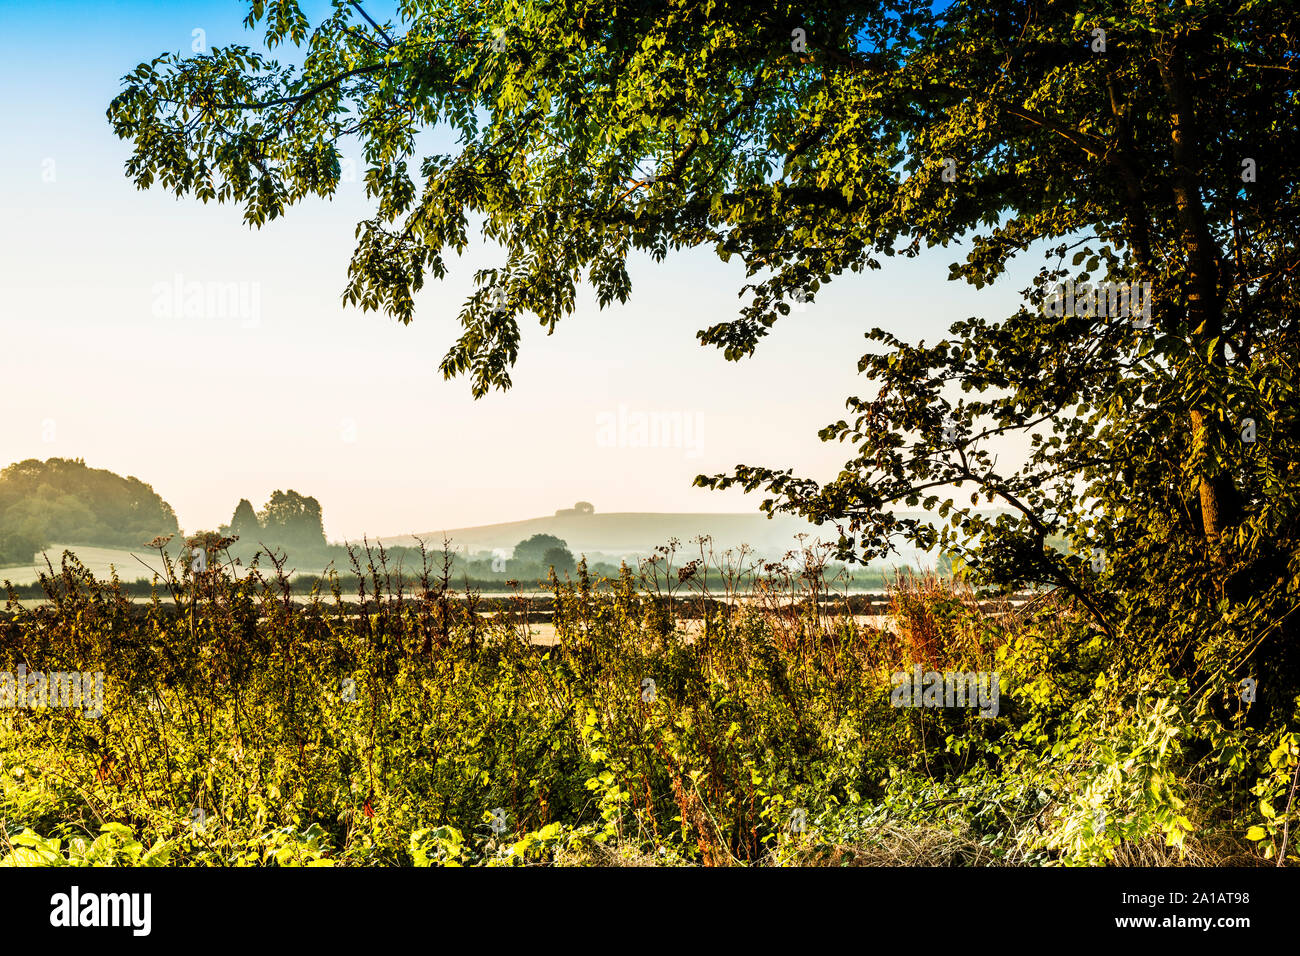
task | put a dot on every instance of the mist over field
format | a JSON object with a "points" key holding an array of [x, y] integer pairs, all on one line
{"points": [[58, 506]]}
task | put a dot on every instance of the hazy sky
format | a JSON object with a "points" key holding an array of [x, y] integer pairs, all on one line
{"points": [[295, 391]]}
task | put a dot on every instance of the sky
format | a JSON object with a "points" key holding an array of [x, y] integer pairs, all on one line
{"points": [[102, 360]]}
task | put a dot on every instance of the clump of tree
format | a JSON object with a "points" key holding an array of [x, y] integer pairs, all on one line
{"points": [[17, 547], [289, 521], [540, 553], [293, 521], [531, 560], [64, 501]]}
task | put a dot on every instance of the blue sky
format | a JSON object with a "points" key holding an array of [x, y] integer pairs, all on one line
{"points": [[101, 363]]}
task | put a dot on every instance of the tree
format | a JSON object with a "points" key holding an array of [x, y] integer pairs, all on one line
{"points": [[292, 521], [17, 548], [534, 550], [561, 559], [1145, 142], [244, 522]]}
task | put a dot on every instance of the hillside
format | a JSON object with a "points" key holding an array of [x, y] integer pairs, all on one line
{"points": [[632, 532]]}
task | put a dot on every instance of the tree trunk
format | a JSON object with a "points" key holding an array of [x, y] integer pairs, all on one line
{"points": [[1204, 310]]}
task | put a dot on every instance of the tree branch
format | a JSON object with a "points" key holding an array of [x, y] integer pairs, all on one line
{"points": [[306, 94], [387, 38]]}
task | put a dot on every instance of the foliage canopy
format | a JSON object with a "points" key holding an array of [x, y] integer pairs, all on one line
{"points": [[1112, 142]]}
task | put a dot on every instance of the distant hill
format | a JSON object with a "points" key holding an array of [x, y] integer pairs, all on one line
{"points": [[632, 532]]}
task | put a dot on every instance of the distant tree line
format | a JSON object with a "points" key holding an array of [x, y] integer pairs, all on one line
{"points": [[63, 501], [291, 524]]}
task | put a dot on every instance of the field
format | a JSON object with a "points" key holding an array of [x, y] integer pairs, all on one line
{"points": [[101, 562], [238, 726]]}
